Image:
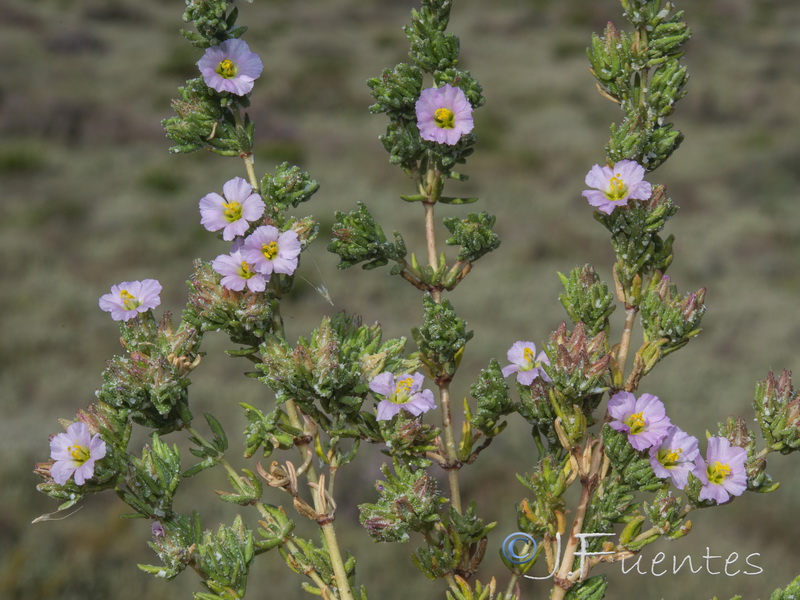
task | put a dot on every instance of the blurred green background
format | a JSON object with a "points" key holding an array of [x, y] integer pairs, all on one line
{"points": [[90, 197]]}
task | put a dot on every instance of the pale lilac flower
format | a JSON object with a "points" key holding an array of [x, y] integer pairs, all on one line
{"points": [[675, 456], [129, 298], [238, 273], [722, 473], [644, 420], [75, 453], [443, 114], [230, 67], [401, 392], [232, 213], [525, 363], [270, 251], [615, 186]]}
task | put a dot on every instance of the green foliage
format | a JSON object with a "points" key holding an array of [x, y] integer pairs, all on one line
{"points": [[289, 186], [328, 376], [587, 299], [152, 480], [791, 592], [441, 338], [456, 547], [593, 588], [407, 438], [204, 119], [210, 451], [409, 501], [474, 234], [245, 317], [636, 241], [396, 92], [173, 537], [493, 402], [214, 24], [669, 319], [777, 408], [641, 72], [150, 380], [579, 373], [225, 559], [539, 516], [358, 238]]}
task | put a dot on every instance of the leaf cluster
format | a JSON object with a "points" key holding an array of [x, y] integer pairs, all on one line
{"points": [[642, 73]]}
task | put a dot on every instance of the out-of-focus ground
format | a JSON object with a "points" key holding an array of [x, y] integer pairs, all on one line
{"points": [[90, 197]]}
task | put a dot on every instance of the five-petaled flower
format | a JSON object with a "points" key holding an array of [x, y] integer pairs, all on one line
{"points": [[230, 67], [526, 363], [615, 186], [129, 298], [722, 473], [443, 114], [644, 420], [232, 213], [237, 273], [270, 251], [75, 453], [401, 392], [675, 456]]}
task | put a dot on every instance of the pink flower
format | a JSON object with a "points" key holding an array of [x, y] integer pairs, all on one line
{"points": [[616, 186], [525, 363], [130, 298], [443, 114], [233, 213], [75, 453], [675, 456], [238, 273], [230, 67], [723, 472], [401, 393], [270, 251], [643, 419]]}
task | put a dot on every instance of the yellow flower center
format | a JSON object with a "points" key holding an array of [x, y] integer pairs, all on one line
{"points": [[232, 212], [80, 454], [245, 271], [227, 69], [671, 458], [527, 355], [444, 118], [129, 301], [636, 423], [719, 472], [402, 390], [617, 189], [270, 250]]}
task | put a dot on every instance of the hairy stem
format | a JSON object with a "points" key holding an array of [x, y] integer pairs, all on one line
{"points": [[450, 447], [625, 343], [589, 482], [328, 530]]}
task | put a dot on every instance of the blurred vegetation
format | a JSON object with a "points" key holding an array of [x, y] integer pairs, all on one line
{"points": [[91, 198]]}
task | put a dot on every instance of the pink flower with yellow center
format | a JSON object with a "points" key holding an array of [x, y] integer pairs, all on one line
{"points": [[230, 67], [401, 393], [129, 298], [675, 456], [722, 473], [615, 186], [526, 363], [237, 273], [644, 420], [443, 114], [232, 213], [270, 251], [75, 453]]}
